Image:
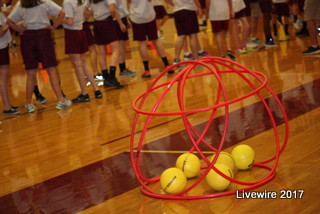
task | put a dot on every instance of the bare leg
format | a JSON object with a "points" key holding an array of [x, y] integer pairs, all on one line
{"points": [[31, 80], [55, 83], [77, 63], [93, 59], [4, 76], [87, 72], [143, 50], [159, 48], [194, 44], [102, 57], [180, 43]]}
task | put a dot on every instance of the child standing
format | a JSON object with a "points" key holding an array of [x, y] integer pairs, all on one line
{"points": [[5, 39], [76, 45], [143, 18], [37, 44], [219, 13], [105, 34]]}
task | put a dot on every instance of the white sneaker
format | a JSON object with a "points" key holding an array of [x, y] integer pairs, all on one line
{"points": [[30, 108], [60, 105]]}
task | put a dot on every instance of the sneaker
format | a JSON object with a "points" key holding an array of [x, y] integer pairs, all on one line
{"points": [[146, 74], [203, 54], [127, 73], [170, 71], [98, 94], [303, 32], [60, 105], [251, 44], [175, 61], [311, 50], [256, 40], [81, 98], [242, 50], [188, 56], [30, 108], [270, 44], [231, 54], [41, 99], [112, 82], [15, 107], [98, 77], [10, 111]]}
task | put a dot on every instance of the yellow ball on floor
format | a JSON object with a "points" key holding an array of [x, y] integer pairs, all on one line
{"points": [[216, 181], [173, 180], [243, 156], [189, 164], [224, 158]]}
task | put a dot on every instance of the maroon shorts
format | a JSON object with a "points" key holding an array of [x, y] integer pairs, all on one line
{"points": [[88, 32], [105, 31], [186, 22], [122, 35], [142, 32], [37, 46], [75, 41], [160, 11], [4, 56], [282, 9], [265, 6], [203, 4], [218, 26], [245, 12]]}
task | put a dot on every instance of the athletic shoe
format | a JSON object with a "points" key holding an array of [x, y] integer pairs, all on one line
{"points": [[302, 32], [170, 71], [41, 99], [188, 56], [98, 77], [15, 107], [127, 73], [10, 111], [146, 74], [30, 108], [81, 98], [270, 44], [98, 94], [256, 40], [311, 50], [60, 105], [242, 50], [112, 82], [252, 44], [203, 54], [231, 54], [175, 61]]}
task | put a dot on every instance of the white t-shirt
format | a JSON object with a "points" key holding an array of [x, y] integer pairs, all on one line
{"points": [[141, 11], [6, 38], [74, 11], [121, 8], [219, 10], [184, 5], [35, 17], [100, 10]]}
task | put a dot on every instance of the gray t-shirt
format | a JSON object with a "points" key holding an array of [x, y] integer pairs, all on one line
{"points": [[6, 38], [75, 11], [35, 17]]}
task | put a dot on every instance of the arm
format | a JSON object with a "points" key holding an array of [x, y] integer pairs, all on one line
{"points": [[15, 27], [169, 2], [115, 15], [3, 30], [87, 13], [231, 9], [199, 11], [59, 19], [207, 7]]}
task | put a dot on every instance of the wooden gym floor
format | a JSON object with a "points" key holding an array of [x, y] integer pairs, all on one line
{"points": [[77, 160]]}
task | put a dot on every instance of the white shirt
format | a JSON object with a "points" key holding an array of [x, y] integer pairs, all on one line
{"points": [[157, 2], [279, 1], [184, 5], [219, 10], [141, 11], [35, 17], [121, 8], [6, 38], [100, 10], [74, 11]]}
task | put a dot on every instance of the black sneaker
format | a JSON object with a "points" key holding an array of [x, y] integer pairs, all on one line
{"points": [[302, 32], [11, 111], [15, 108], [312, 50], [231, 54], [41, 99], [112, 83], [81, 98], [98, 94]]}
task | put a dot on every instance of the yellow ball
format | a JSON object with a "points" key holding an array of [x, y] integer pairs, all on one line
{"points": [[226, 159], [243, 156], [189, 164], [216, 181], [173, 180]]}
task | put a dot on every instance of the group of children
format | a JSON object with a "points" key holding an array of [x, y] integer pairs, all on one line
{"points": [[110, 27]]}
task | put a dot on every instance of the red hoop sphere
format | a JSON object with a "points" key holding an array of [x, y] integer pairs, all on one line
{"points": [[212, 66]]}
